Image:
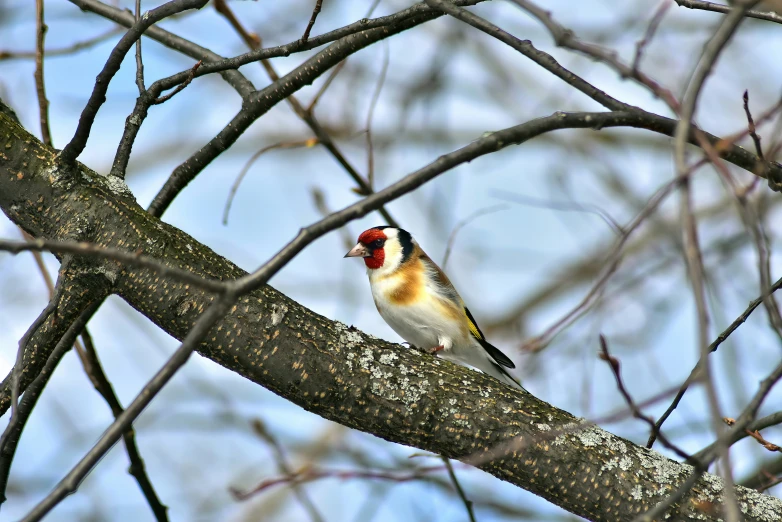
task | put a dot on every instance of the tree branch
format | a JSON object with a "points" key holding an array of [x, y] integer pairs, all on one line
{"points": [[75, 147], [725, 9], [350, 378]]}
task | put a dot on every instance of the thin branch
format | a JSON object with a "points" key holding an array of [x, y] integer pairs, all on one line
{"points": [[238, 181], [751, 127], [526, 48], [79, 141], [463, 223], [39, 262], [711, 52], [285, 468], [123, 422], [651, 29], [315, 12], [127, 258], [752, 221], [94, 370], [13, 432], [133, 122], [744, 421], [758, 148], [371, 113], [613, 363], [770, 484], [485, 145], [459, 491], [611, 265], [769, 16], [310, 475], [40, 87], [46, 313], [566, 38], [178, 88], [139, 62], [137, 470], [695, 373], [216, 63], [566, 206], [764, 422], [125, 18], [326, 84], [254, 42], [62, 51], [770, 446]]}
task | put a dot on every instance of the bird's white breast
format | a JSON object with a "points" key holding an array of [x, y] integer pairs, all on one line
{"points": [[422, 321]]}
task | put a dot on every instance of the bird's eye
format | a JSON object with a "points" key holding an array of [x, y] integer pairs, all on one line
{"points": [[377, 243]]}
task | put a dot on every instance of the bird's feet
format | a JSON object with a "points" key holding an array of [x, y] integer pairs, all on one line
{"points": [[436, 349]]}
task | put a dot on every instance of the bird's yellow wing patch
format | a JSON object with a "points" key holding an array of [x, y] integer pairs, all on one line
{"points": [[472, 325]]}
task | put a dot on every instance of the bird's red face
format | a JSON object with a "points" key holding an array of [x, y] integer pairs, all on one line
{"points": [[370, 247]]}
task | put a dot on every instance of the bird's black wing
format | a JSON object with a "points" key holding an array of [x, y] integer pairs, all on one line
{"points": [[495, 352]]}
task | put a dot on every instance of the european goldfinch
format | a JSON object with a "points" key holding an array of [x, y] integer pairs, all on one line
{"points": [[419, 303]]}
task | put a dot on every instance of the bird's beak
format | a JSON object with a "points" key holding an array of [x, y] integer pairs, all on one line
{"points": [[359, 251]]}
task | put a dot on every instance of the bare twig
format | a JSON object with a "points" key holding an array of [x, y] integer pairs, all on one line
{"points": [[770, 484], [254, 42], [613, 363], [124, 421], [95, 372], [751, 127], [694, 374], [126, 18], [133, 122], [285, 468], [370, 114], [13, 432], [526, 48], [651, 29], [463, 223], [139, 62], [75, 147], [238, 181], [310, 475], [725, 9], [565, 37], [40, 87], [49, 311], [744, 421], [567, 206], [709, 57], [62, 51], [326, 84], [315, 12], [770, 446], [178, 88], [459, 491], [128, 258], [613, 260]]}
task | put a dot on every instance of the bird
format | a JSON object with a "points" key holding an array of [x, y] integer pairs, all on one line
{"points": [[417, 300]]}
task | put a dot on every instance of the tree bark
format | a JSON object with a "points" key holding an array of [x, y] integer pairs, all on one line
{"points": [[339, 373]]}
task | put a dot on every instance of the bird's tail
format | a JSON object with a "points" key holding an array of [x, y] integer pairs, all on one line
{"points": [[500, 373]]}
